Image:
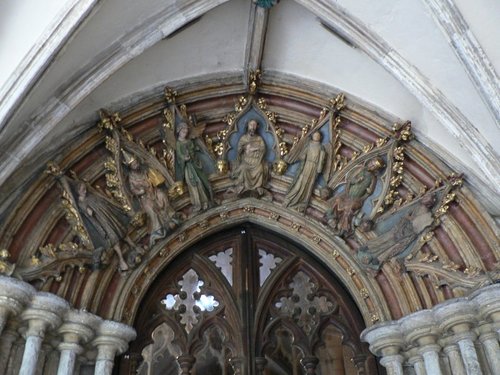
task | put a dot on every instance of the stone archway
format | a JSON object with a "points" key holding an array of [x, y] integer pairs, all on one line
{"points": [[266, 302]]}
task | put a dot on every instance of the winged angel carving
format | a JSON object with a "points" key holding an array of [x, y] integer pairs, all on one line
{"points": [[139, 181], [188, 157], [100, 222], [314, 159]]}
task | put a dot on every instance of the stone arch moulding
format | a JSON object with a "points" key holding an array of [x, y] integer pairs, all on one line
{"points": [[289, 224], [454, 251]]}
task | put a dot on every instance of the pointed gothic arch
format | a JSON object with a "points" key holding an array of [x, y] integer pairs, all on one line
{"points": [[274, 287]]}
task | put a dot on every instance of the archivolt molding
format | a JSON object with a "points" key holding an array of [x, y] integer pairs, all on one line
{"points": [[459, 254], [312, 236], [409, 76], [96, 72], [33, 65], [470, 53]]}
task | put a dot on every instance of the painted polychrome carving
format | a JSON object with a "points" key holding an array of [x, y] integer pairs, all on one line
{"points": [[182, 173]]}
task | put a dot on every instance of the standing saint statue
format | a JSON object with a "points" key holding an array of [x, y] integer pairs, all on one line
{"points": [[188, 168], [312, 160], [359, 186], [104, 221], [251, 170], [144, 184]]}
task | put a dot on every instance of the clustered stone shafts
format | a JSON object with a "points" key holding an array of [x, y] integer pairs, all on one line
{"points": [[39, 314], [459, 336]]}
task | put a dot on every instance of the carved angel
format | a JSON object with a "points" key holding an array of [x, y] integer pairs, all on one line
{"points": [[360, 184], [190, 153], [395, 239], [145, 184], [104, 221], [188, 167], [139, 181], [100, 222], [312, 158]]}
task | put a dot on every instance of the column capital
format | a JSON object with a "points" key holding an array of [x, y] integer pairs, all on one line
{"points": [[14, 294], [45, 310], [434, 348], [486, 336], [487, 301], [451, 349], [420, 328], [457, 314], [112, 338], [79, 326], [71, 346], [470, 335], [384, 338], [387, 360], [186, 362]]}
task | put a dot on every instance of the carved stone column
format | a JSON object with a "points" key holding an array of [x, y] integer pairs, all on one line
{"points": [[487, 301], [416, 360], [45, 312], [52, 362], [237, 365], [309, 364], [421, 330], [186, 363], [455, 359], [260, 365], [489, 342], [386, 341], [359, 361], [7, 339], [14, 295], [78, 328], [112, 339], [16, 356], [458, 315], [393, 364]]}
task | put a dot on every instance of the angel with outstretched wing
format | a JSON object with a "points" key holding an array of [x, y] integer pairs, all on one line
{"points": [[313, 161], [189, 167]]}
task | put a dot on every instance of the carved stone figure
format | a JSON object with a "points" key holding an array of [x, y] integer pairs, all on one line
{"points": [[188, 168], [104, 221], [144, 183], [359, 186], [312, 159], [396, 242], [251, 170]]}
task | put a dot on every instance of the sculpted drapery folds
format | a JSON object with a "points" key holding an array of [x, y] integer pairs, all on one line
{"points": [[251, 170], [145, 184], [188, 168], [104, 221], [358, 187], [396, 242], [312, 160]]}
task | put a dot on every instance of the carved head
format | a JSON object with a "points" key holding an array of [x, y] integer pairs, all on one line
{"points": [[252, 127], [429, 200], [316, 136], [375, 164], [182, 130], [82, 190], [128, 158]]}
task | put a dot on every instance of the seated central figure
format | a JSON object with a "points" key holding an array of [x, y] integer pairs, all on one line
{"points": [[251, 170]]}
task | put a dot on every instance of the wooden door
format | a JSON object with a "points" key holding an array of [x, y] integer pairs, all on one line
{"points": [[247, 301]]}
